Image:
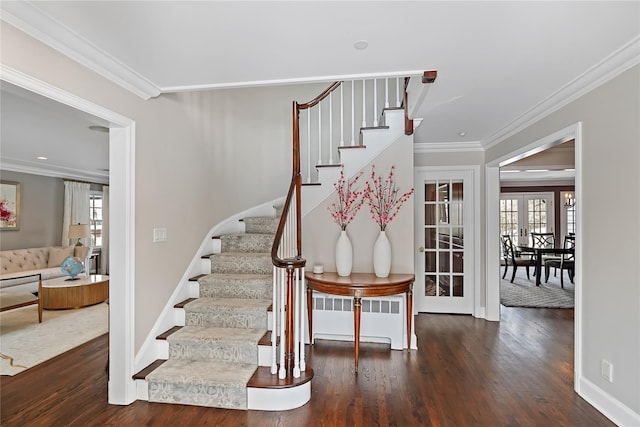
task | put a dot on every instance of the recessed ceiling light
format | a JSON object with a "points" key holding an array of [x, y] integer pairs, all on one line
{"points": [[361, 44], [462, 133], [99, 128], [42, 158]]}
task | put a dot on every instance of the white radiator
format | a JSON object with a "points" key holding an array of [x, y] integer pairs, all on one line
{"points": [[382, 319]]}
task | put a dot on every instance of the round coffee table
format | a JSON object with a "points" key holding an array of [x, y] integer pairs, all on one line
{"points": [[61, 293]]}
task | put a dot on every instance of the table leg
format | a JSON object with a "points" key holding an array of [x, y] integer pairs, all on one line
{"points": [[409, 317], [310, 313], [356, 327], [538, 268]]}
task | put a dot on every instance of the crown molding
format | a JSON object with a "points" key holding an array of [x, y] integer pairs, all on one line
{"points": [[441, 147], [13, 165], [287, 81], [33, 21], [610, 67]]}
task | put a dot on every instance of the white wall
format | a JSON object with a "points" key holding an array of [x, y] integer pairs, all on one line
{"points": [[320, 233], [610, 269]]}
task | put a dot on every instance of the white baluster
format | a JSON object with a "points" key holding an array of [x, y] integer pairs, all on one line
{"points": [[375, 102], [319, 133], [330, 128], [274, 355], [282, 373], [308, 145], [386, 92], [342, 114], [398, 92], [303, 364], [353, 113], [364, 104], [296, 325]]}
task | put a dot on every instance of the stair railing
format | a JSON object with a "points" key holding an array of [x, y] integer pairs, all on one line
{"points": [[336, 119], [360, 106]]}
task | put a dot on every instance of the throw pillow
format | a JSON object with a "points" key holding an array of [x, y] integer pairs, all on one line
{"points": [[58, 254]]}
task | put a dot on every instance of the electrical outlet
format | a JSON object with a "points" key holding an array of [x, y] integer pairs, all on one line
{"points": [[159, 235], [606, 370]]}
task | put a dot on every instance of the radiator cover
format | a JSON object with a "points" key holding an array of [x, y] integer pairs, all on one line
{"points": [[382, 319]]}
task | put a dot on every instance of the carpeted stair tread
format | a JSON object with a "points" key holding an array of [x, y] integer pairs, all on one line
{"points": [[261, 224], [201, 382], [246, 242], [241, 262], [208, 304], [235, 285], [217, 344], [227, 312]]}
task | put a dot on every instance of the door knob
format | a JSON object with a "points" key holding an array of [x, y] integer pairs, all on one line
{"points": [[421, 249]]}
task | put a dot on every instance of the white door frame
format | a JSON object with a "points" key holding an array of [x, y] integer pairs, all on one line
{"points": [[474, 201], [122, 390], [492, 193]]}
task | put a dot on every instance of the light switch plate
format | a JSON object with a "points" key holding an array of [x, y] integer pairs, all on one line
{"points": [[159, 235]]}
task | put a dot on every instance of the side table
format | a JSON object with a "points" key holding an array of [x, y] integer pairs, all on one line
{"points": [[360, 285]]}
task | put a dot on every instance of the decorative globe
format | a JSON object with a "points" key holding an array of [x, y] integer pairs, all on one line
{"points": [[72, 266]]}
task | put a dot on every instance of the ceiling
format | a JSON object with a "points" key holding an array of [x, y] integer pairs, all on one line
{"points": [[500, 64]]}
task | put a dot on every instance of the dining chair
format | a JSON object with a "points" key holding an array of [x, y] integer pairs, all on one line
{"points": [[544, 240], [566, 261], [510, 258]]}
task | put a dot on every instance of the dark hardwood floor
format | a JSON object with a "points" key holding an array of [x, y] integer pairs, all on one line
{"points": [[467, 372]]}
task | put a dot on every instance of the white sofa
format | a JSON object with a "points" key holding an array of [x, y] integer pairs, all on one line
{"points": [[46, 261]]}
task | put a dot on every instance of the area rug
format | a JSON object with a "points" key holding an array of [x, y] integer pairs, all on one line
{"points": [[25, 343], [524, 292]]}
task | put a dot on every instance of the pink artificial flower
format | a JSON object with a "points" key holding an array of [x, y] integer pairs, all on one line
{"points": [[349, 202], [382, 198]]}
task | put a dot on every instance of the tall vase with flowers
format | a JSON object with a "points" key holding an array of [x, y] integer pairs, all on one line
{"points": [[384, 200], [344, 211]]}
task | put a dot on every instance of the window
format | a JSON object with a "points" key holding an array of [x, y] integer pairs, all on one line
{"points": [[95, 218]]}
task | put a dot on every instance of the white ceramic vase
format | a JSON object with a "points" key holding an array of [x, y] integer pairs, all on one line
{"points": [[382, 255], [344, 254]]}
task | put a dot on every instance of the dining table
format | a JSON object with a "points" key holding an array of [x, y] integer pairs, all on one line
{"points": [[538, 254]]}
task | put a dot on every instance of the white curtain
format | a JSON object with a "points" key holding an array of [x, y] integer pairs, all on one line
{"points": [[76, 209], [104, 252]]}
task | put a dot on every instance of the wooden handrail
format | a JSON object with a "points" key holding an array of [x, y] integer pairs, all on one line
{"points": [[295, 188]]}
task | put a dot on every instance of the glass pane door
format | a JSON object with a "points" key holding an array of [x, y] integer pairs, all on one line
{"points": [[523, 213], [443, 281]]}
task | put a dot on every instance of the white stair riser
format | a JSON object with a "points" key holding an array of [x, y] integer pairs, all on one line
{"points": [[265, 353], [282, 399]]}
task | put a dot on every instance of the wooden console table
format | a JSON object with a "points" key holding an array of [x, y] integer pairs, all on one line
{"points": [[360, 285]]}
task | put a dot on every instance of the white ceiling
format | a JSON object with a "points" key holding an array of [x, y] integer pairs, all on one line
{"points": [[499, 64]]}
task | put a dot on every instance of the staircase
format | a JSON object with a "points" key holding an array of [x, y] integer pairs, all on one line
{"points": [[242, 342], [214, 358]]}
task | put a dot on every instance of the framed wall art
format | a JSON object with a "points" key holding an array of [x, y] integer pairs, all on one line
{"points": [[9, 206]]}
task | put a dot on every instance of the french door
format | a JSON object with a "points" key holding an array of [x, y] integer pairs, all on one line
{"points": [[444, 232], [523, 213]]}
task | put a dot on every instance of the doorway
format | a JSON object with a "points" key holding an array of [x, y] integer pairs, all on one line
{"points": [[492, 226], [121, 234]]}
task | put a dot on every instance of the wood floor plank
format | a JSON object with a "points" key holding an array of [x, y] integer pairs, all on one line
{"points": [[466, 372]]}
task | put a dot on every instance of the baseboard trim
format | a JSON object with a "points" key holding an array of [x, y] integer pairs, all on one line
{"points": [[613, 409]]}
